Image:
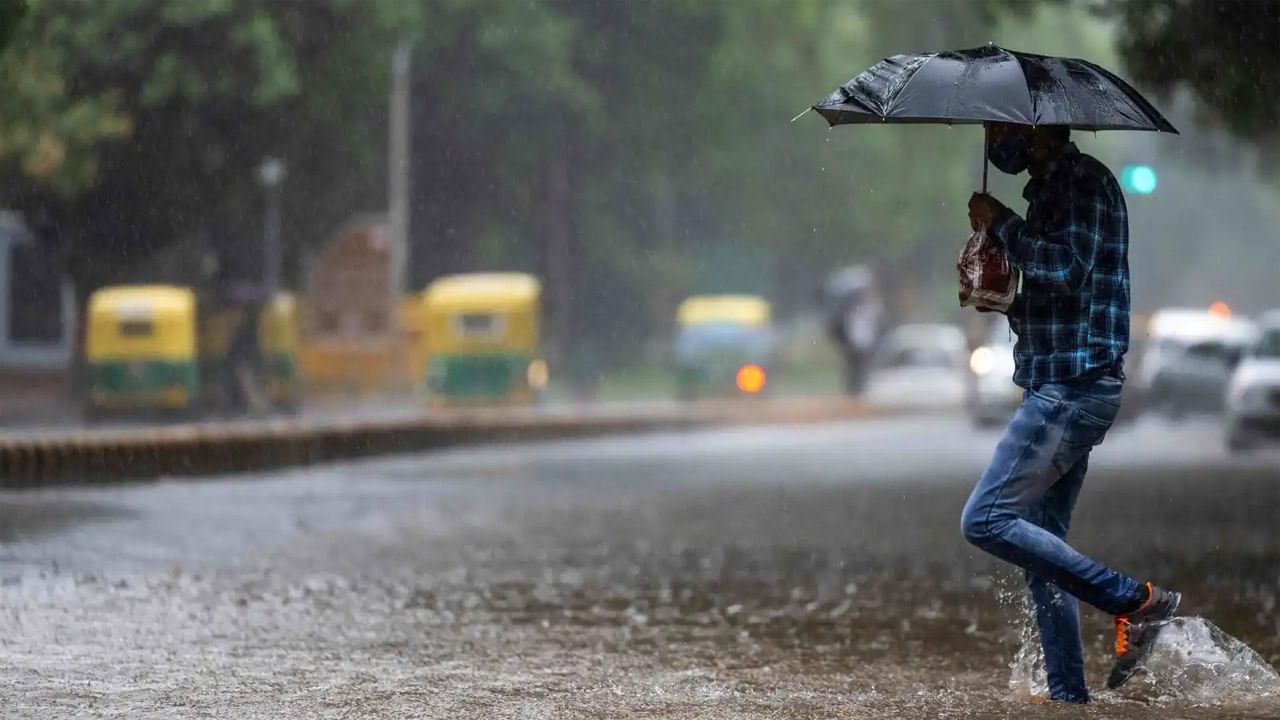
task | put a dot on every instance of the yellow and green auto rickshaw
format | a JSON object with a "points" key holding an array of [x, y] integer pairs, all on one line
{"points": [[278, 341], [140, 350], [482, 338], [724, 344]]}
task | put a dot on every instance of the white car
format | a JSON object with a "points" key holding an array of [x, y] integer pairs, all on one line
{"points": [[919, 365], [991, 396], [1253, 397], [1188, 360]]}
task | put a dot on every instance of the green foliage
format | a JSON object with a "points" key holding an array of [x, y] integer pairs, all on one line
{"points": [[11, 14], [650, 139], [1226, 51], [142, 120], [47, 129]]}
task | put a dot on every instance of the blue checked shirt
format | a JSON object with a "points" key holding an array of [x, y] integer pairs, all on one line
{"points": [[1072, 314]]}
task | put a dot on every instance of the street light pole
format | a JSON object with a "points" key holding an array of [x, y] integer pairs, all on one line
{"points": [[270, 174], [398, 170]]}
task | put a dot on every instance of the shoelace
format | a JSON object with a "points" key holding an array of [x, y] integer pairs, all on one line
{"points": [[1122, 635]]}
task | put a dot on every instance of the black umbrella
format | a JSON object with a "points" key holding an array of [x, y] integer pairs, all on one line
{"points": [[991, 84]]}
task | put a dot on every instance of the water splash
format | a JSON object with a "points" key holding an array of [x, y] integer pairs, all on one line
{"points": [[1028, 678], [1194, 660]]}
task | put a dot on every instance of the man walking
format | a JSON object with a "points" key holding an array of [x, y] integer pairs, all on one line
{"points": [[1072, 322]]}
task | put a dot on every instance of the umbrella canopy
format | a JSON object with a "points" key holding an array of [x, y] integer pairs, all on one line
{"points": [[848, 282], [991, 84]]}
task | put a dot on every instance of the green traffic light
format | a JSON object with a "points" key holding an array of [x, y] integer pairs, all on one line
{"points": [[1139, 179]]}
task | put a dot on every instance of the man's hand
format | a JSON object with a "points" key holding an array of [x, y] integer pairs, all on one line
{"points": [[983, 210]]}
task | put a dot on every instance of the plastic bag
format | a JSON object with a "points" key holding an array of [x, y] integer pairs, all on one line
{"points": [[987, 280]]}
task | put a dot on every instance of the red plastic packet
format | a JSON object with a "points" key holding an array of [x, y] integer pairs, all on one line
{"points": [[987, 280]]}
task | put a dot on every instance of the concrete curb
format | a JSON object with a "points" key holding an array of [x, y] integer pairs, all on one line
{"points": [[217, 448]]}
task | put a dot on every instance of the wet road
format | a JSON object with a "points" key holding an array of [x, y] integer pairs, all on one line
{"points": [[766, 572]]}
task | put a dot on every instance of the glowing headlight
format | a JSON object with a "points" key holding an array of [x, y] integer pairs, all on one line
{"points": [[750, 379], [982, 361], [537, 374]]}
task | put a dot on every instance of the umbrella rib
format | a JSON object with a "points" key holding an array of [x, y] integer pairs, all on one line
{"points": [[890, 102], [1161, 123], [1026, 84]]}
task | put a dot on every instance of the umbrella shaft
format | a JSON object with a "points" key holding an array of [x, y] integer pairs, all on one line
{"points": [[986, 135]]}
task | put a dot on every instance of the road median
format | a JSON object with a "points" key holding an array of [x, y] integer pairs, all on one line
{"points": [[107, 456]]}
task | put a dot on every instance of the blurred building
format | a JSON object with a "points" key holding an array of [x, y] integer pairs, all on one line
{"points": [[38, 322], [352, 336]]}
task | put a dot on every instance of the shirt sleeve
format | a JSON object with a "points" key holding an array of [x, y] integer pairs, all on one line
{"points": [[1062, 254]]}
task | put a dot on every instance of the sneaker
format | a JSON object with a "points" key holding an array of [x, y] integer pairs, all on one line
{"points": [[1136, 632]]}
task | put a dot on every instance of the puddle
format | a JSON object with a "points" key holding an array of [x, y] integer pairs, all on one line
{"points": [[1194, 660]]}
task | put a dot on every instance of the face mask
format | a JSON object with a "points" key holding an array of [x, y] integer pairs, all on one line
{"points": [[1011, 153]]}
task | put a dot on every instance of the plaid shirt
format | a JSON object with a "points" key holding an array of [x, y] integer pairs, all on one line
{"points": [[1072, 314]]}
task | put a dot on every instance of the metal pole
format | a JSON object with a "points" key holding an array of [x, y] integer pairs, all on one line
{"points": [[559, 256], [271, 240], [271, 174], [986, 137], [398, 170]]}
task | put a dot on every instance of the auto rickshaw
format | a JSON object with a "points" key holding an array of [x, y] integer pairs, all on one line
{"points": [[723, 345], [278, 341], [482, 339], [140, 350]]}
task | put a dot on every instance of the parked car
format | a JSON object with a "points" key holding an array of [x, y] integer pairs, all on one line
{"points": [[990, 395], [1253, 398], [920, 364], [1188, 360]]}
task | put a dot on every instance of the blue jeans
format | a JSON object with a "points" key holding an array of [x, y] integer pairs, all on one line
{"points": [[1020, 511]]}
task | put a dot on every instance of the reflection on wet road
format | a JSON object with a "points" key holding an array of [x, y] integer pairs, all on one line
{"points": [[786, 572]]}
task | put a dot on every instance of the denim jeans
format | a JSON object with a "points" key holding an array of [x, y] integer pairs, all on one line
{"points": [[1020, 511]]}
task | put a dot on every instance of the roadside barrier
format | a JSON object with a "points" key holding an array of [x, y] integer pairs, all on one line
{"points": [[107, 456]]}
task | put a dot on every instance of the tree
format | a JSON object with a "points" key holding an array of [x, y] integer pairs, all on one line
{"points": [[142, 121], [630, 153], [1227, 52]]}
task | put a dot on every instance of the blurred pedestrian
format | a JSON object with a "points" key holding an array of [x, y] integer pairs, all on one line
{"points": [[1072, 324], [855, 317], [243, 364]]}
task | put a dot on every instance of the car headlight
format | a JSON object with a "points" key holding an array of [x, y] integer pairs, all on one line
{"points": [[982, 361]]}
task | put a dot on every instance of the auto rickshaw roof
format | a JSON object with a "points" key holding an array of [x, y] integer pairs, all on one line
{"points": [[154, 298], [483, 290], [742, 309]]}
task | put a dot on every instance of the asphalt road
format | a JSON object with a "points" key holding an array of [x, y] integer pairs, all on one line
{"points": [[802, 572]]}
